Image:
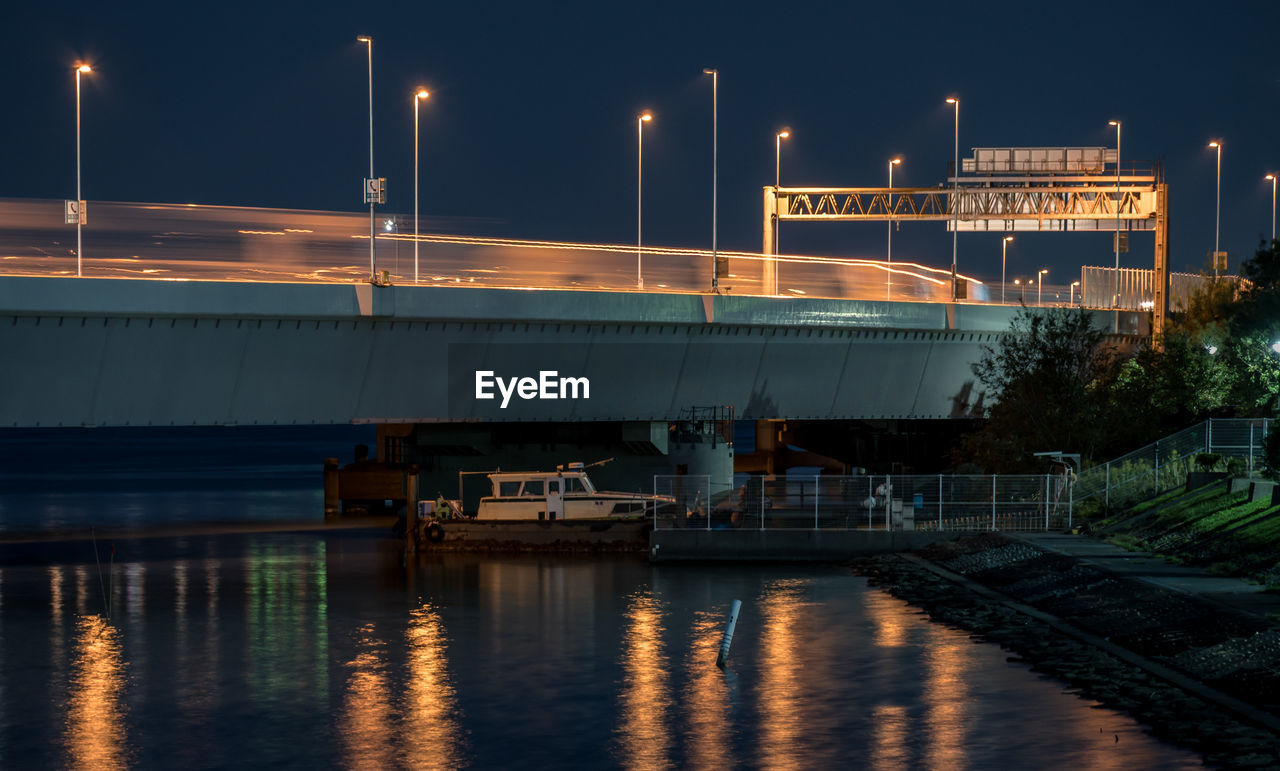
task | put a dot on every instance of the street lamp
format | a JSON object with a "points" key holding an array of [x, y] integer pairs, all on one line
{"points": [[417, 99], [777, 182], [1115, 295], [1272, 177], [1217, 217], [642, 119], [888, 274], [715, 163], [1072, 296], [955, 202], [81, 69], [1004, 251], [1040, 283], [368, 41]]}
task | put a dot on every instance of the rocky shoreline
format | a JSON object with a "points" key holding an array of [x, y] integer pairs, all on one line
{"points": [[1199, 675]]}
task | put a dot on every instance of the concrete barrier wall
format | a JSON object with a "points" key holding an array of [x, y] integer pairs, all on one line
{"points": [[785, 545]]}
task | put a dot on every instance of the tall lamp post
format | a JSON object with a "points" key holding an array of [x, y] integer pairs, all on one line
{"points": [[1004, 253], [1072, 296], [1272, 177], [777, 180], [1115, 294], [421, 94], [81, 69], [640, 121], [1217, 217], [955, 202], [888, 274], [368, 41], [1040, 284], [715, 165]]}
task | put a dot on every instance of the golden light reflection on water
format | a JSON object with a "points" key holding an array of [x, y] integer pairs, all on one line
{"points": [[644, 723], [890, 742], [706, 695], [94, 735], [782, 727], [948, 665], [891, 620], [432, 737], [365, 725]]}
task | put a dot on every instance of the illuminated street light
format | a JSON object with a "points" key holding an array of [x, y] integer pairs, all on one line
{"points": [[888, 274], [715, 164], [1272, 177], [777, 184], [81, 69], [1004, 251], [1072, 296], [1217, 217], [955, 202], [640, 121], [368, 41], [1040, 283], [1115, 295], [1212, 349], [421, 94], [1276, 346]]}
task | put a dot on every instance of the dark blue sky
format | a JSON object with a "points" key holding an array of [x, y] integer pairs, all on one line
{"points": [[532, 117]]}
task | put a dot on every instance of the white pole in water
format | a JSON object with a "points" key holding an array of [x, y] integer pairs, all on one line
{"points": [[728, 633]]}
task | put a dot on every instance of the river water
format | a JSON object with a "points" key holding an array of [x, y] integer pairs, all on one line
{"points": [[312, 648]]}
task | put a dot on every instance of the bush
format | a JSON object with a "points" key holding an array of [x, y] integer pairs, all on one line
{"points": [[1236, 467], [1271, 455], [1207, 460]]}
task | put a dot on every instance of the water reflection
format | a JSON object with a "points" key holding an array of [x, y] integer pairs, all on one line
{"points": [[948, 660], [644, 727], [781, 726], [890, 746], [706, 694], [432, 736], [365, 725], [94, 735]]}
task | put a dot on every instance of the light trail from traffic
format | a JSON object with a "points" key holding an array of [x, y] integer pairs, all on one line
{"points": [[189, 242]]}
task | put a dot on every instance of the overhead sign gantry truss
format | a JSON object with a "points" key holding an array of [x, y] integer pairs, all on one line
{"points": [[1000, 199]]}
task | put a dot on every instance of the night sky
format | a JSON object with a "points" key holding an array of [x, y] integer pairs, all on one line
{"points": [[531, 131]]}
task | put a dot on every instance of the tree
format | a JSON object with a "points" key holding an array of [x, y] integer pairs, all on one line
{"points": [[1048, 375]]}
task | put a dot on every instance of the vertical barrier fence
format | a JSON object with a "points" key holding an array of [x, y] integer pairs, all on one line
{"points": [[865, 502], [1163, 465]]}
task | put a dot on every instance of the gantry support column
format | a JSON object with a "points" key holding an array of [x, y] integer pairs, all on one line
{"points": [[769, 245], [1160, 304]]}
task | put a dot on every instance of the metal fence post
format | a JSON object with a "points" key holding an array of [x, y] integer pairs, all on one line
{"points": [[1108, 489], [1251, 449], [762, 501], [815, 501], [1071, 502], [708, 478], [1156, 489], [871, 496], [993, 501], [939, 503], [655, 501], [1046, 503], [1208, 436]]}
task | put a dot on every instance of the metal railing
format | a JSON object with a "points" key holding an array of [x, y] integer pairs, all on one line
{"points": [[871, 502], [1163, 465]]}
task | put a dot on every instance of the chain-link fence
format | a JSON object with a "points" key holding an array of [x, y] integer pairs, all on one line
{"points": [[1163, 465], [871, 502]]}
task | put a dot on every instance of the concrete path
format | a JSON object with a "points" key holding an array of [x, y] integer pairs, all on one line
{"points": [[1232, 592]]}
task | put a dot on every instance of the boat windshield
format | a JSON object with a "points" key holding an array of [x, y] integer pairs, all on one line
{"points": [[533, 487], [579, 484]]}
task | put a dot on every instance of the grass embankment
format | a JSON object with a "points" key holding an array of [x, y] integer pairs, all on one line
{"points": [[1209, 527]]}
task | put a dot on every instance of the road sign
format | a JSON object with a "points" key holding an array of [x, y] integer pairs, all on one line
{"points": [[1219, 260], [75, 212], [1122, 242], [375, 190]]}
